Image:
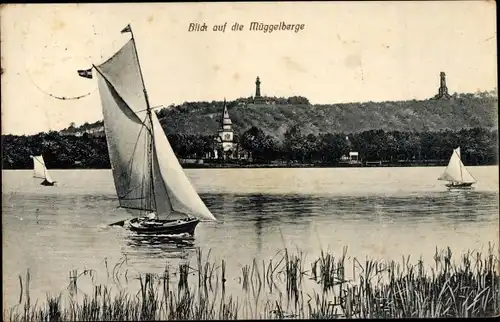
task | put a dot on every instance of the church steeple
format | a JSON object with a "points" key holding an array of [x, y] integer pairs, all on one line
{"points": [[226, 126], [226, 147], [226, 120]]}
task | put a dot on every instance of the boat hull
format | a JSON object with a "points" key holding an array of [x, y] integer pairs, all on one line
{"points": [[168, 227], [47, 183], [464, 185]]}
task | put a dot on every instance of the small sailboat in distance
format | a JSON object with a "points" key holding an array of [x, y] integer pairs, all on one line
{"points": [[149, 181], [456, 173], [40, 171]]}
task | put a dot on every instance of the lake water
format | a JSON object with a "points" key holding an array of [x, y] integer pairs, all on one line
{"points": [[382, 213]]}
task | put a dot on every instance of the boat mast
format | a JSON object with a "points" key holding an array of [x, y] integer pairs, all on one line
{"points": [[140, 71], [148, 111]]}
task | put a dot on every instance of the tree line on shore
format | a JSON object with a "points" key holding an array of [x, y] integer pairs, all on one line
{"points": [[478, 147]]}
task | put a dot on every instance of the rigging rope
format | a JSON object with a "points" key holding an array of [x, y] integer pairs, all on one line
{"points": [[63, 98]]}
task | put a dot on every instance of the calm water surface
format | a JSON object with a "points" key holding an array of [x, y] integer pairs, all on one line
{"points": [[382, 213]]}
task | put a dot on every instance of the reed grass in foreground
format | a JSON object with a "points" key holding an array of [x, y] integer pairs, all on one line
{"points": [[468, 287]]}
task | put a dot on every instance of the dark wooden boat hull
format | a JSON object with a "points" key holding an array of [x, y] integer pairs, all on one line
{"points": [[168, 227], [465, 185], [46, 183]]}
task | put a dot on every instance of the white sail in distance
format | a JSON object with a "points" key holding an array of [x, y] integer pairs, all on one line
{"points": [[456, 170], [39, 169], [147, 174]]}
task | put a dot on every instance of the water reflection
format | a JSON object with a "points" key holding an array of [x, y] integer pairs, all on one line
{"points": [[264, 209], [256, 216], [268, 207], [258, 232], [159, 246]]}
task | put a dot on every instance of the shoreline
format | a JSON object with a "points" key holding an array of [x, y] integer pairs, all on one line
{"points": [[284, 166], [375, 164], [324, 151]]}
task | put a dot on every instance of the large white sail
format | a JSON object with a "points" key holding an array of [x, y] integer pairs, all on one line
{"points": [[181, 194], [146, 171], [128, 136], [40, 170], [123, 72], [456, 171]]}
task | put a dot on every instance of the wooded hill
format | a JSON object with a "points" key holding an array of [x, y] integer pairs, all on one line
{"points": [[463, 111], [478, 110]]}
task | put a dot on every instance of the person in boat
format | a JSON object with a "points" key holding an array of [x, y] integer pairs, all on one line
{"points": [[149, 217], [152, 217]]}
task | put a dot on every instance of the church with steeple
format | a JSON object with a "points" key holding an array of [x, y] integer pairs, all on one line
{"points": [[226, 143], [226, 134]]}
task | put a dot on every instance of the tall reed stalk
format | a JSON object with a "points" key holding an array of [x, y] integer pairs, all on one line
{"points": [[468, 287]]}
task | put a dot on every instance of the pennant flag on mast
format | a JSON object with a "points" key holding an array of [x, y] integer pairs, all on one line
{"points": [[126, 29], [87, 73]]}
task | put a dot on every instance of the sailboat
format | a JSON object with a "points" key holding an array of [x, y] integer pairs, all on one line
{"points": [[40, 171], [456, 173], [149, 181]]}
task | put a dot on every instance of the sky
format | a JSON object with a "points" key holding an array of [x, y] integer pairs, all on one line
{"points": [[347, 52]]}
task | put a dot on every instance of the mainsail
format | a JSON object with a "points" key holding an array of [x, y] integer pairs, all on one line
{"points": [[146, 172], [39, 169], [456, 171], [127, 136]]}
